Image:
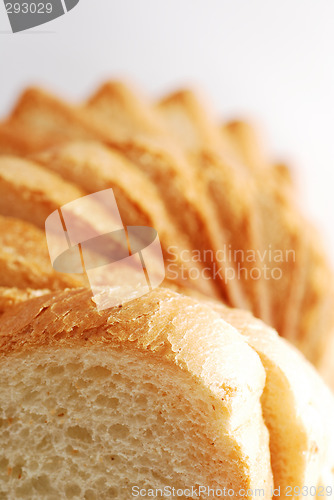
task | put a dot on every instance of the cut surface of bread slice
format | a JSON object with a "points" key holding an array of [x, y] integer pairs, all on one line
{"points": [[160, 392], [25, 260], [297, 406]]}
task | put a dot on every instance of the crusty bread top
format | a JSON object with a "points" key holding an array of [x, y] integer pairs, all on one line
{"points": [[10, 296], [164, 324]]}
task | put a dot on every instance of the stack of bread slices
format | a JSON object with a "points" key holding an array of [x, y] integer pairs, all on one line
{"points": [[187, 387]]}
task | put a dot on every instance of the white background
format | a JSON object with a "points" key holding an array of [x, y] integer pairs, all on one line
{"points": [[272, 61]]}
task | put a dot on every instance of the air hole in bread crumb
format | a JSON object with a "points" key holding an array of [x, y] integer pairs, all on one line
{"points": [[119, 431], [97, 372], [107, 402], [72, 490], [79, 433]]}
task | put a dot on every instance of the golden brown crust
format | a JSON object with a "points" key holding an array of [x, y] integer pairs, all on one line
{"points": [[164, 324], [50, 319], [283, 176], [11, 296]]}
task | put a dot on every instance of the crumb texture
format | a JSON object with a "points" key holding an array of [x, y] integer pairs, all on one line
{"points": [[90, 425]]}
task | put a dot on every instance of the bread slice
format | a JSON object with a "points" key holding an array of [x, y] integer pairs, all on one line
{"points": [[281, 223], [298, 409], [326, 365], [94, 167], [13, 140], [25, 260], [283, 176], [247, 145], [45, 120], [48, 121], [180, 187], [252, 208], [231, 189], [158, 393], [316, 305], [116, 115], [311, 281], [127, 111], [30, 192], [190, 121]]}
